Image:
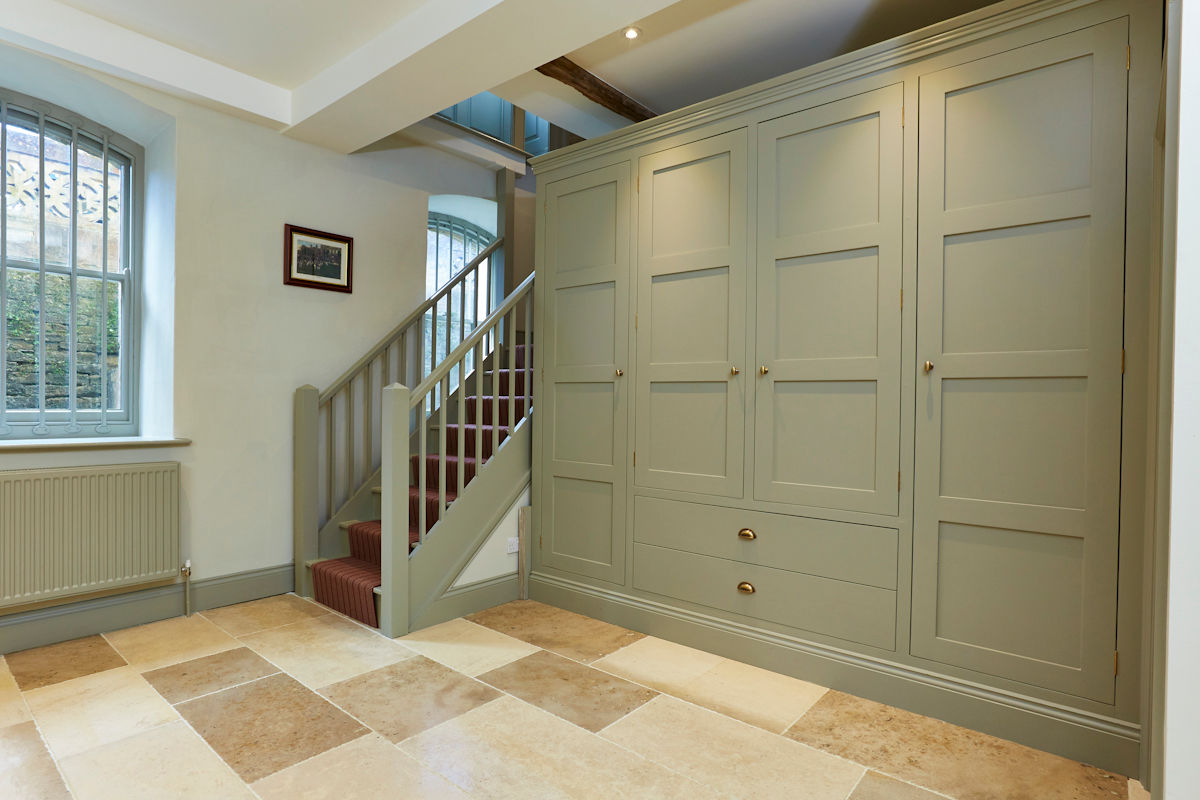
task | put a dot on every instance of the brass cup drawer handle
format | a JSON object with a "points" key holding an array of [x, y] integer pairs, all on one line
{"points": [[747, 534], [745, 587]]}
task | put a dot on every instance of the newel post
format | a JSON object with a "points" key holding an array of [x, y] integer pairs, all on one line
{"points": [[393, 607], [305, 532]]}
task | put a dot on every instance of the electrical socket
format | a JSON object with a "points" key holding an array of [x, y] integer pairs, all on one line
{"points": [[514, 545]]}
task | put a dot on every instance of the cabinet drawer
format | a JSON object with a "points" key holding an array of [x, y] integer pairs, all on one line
{"points": [[850, 611], [841, 550]]}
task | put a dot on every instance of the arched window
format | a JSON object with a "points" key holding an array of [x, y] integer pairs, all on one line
{"points": [[68, 274], [452, 244]]}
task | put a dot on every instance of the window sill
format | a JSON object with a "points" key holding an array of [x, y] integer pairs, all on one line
{"points": [[112, 443]]}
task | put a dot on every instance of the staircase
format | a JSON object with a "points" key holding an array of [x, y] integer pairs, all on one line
{"points": [[395, 489], [348, 584]]}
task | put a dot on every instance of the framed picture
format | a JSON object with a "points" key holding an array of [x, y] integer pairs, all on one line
{"points": [[317, 259]]}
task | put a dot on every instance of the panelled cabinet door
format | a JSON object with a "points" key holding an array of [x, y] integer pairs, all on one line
{"points": [[1020, 263], [691, 341], [830, 208], [584, 403]]}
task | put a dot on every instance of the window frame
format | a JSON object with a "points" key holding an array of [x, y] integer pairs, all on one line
{"points": [[43, 424]]}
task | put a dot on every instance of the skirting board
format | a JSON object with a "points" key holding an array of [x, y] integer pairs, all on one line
{"points": [[1104, 742], [60, 623]]}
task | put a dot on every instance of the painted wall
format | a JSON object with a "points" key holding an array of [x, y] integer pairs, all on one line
{"points": [[1181, 723], [223, 363], [492, 560]]}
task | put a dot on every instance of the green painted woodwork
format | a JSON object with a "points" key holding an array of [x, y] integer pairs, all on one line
{"points": [[859, 553], [1020, 312], [583, 284], [691, 301], [830, 202]]}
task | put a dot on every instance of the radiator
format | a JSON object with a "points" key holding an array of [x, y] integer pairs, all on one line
{"points": [[86, 530]]}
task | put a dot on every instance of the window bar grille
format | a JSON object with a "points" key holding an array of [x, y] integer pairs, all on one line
{"points": [[41, 429], [73, 255], [4, 428], [103, 315]]}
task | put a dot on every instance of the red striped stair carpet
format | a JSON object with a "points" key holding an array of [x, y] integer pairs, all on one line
{"points": [[348, 584]]}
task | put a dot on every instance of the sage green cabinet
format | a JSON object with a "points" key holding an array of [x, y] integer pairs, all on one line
{"points": [[690, 370], [1021, 266], [830, 202], [583, 405]]}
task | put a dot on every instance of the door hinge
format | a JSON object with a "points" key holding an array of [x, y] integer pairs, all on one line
{"points": [[540, 545], [635, 458], [901, 116], [638, 187], [635, 321], [1127, 58], [1116, 662]]}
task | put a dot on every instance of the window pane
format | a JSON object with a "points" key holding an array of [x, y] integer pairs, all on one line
{"points": [[58, 322], [116, 348], [58, 199], [90, 194], [21, 323], [87, 343], [116, 216], [22, 191]]}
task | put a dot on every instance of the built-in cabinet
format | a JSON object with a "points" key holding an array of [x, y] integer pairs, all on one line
{"points": [[836, 365]]}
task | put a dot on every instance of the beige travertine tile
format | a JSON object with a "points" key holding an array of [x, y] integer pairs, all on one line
{"points": [[26, 769], [45, 666], [469, 648], [365, 769], [1137, 791], [509, 749], [269, 724], [658, 663], [564, 632], [880, 787], [588, 697], [260, 615], [326, 649], [200, 676], [962, 763], [87, 712], [758, 696], [731, 756], [171, 641], [12, 706], [169, 761], [406, 698]]}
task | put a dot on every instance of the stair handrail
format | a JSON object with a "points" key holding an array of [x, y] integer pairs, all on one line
{"points": [[413, 318], [447, 364]]}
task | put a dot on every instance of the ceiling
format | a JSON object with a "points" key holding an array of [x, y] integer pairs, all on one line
{"points": [[283, 42], [347, 75], [697, 49]]}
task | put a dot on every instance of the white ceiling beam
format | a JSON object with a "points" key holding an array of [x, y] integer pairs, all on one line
{"points": [[402, 77], [54, 29], [555, 101]]}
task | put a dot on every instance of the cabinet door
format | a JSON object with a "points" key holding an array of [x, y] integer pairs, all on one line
{"points": [[1020, 262], [690, 425], [830, 200], [583, 403]]}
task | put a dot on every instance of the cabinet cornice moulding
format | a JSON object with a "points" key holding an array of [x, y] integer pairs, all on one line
{"points": [[895, 52]]}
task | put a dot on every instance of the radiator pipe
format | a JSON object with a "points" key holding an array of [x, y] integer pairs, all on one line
{"points": [[186, 572]]}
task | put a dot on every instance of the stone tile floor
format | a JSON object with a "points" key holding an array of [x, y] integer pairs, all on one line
{"points": [[281, 698]]}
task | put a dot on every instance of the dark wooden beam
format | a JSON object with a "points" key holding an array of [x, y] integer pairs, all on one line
{"points": [[567, 71]]}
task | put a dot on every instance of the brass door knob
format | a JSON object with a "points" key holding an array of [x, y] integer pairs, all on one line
{"points": [[747, 534], [745, 587], [762, 370], [620, 372], [734, 371], [928, 367]]}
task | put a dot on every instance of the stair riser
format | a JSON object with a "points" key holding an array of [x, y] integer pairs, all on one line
{"points": [[433, 472], [487, 416], [504, 378], [452, 434], [523, 353]]}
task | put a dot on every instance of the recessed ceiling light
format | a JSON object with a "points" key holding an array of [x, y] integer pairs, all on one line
{"points": [[632, 32]]}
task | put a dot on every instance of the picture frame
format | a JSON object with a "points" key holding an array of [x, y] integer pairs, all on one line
{"points": [[317, 259]]}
